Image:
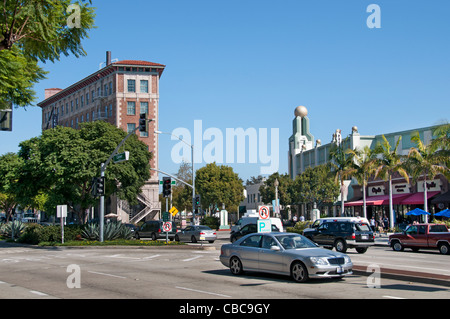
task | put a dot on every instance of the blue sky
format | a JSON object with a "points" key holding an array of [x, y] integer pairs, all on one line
{"points": [[249, 63]]}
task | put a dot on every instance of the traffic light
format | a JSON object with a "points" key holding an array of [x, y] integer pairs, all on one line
{"points": [[197, 201], [100, 185], [143, 122], [94, 187], [167, 186]]}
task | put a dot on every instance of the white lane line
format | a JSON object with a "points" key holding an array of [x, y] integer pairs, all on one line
{"points": [[393, 297], [38, 293], [101, 273], [203, 292], [150, 257], [192, 258]]}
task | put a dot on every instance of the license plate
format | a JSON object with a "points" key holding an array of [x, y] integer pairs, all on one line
{"points": [[202, 237], [339, 270], [364, 237]]}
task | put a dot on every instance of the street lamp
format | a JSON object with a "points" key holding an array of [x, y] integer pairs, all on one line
{"points": [[276, 184], [192, 161]]}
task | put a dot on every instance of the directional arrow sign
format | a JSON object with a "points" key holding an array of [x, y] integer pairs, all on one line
{"points": [[173, 211], [121, 157]]}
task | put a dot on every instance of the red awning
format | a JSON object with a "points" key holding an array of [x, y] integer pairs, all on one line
{"points": [[417, 198], [379, 200]]}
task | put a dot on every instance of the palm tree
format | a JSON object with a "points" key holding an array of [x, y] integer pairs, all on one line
{"points": [[388, 163], [363, 166], [341, 164], [424, 160]]}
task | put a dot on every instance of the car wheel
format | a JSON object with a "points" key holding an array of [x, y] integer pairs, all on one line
{"points": [[137, 236], [361, 250], [153, 236], [340, 245], [236, 266], [177, 238], [299, 272], [397, 246], [444, 249], [193, 239]]}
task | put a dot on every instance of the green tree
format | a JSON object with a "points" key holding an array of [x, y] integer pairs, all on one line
{"points": [[62, 162], [181, 193], [388, 163], [424, 160], [219, 185], [9, 165], [267, 190], [33, 30], [362, 167], [314, 186], [341, 167]]}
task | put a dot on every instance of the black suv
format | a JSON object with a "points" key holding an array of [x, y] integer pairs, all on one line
{"points": [[153, 229], [342, 235]]}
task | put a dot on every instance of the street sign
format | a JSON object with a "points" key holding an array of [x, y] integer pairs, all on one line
{"points": [[121, 157], [167, 226], [173, 211], [173, 182], [264, 212], [165, 216], [61, 211], [264, 225]]}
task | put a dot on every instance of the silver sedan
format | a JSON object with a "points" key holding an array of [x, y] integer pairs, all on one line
{"points": [[196, 233], [284, 253]]}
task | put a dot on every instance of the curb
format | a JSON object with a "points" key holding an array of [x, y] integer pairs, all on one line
{"points": [[405, 275]]}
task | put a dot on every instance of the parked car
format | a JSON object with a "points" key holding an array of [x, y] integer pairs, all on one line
{"points": [[196, 233], [248, 229], [284, 253], [154, 229], [422, 236], [342, 234]]}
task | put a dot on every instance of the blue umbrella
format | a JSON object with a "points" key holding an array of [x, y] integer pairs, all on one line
{"points": [[444, 213], [417, 212]]}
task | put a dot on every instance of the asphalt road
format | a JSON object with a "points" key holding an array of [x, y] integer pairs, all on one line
{"points": [[194, 273]]}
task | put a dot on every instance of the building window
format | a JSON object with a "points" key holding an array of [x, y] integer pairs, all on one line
{"points": [[93, 95], [82, 100], [144, 86], [131, 86], [87, 98], [87, 117], [110, 88], [131, 108], [110, 110], [76, 104], [131, 127], [71, 106], [144, 108]]}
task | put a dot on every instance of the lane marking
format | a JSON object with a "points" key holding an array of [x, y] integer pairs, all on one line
{"points": [[203, 292], [192, 258], [38, 293], [101, 273], [393, 297]]}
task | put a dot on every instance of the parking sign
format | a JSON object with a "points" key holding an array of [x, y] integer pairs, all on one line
{"points": [[264, 226]]}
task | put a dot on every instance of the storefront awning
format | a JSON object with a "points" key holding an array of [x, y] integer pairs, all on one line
{"points": [[417, 198], [379, 200]]}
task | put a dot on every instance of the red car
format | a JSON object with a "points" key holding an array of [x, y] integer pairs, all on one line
{"points": [[422, 236]]}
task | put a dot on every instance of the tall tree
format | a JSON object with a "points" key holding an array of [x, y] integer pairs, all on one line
{"points": [[424, 160], [267, 190], [33, 30], [181, 193], [219, 185], [9, 165], [388, 163], [341, 164], [363, 166]]}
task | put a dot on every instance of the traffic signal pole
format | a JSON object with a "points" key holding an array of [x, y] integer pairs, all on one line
{"points": [[102, 174]]}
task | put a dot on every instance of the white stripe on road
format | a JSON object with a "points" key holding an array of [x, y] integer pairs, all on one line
{"points": [[393, 297], [38, 293], [192, 258], [203, 292], [100, 273]]}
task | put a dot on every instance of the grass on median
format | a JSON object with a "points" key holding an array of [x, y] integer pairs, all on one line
{"points": [[118, 242]]}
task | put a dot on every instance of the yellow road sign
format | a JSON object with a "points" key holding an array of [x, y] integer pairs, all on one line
{"points": [[173, 211]]}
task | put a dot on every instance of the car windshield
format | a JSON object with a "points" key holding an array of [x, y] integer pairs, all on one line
{"points": [[362, 227], [292, 241]]}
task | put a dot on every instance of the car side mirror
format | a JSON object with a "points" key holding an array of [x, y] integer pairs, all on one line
{"points": [[275, 248]]}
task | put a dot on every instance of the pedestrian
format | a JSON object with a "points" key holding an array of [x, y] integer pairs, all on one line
{"points": [[380, 225], [302, 218], [386, 222], [372, 224]]}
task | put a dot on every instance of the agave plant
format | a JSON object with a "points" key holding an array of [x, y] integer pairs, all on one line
{"points": [[15, 227], [90, 231], [111, 231]]}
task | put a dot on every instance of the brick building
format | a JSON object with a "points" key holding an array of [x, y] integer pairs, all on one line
{"points": [[117, 93]]}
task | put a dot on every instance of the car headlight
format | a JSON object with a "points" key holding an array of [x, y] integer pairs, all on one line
{"points": [[323, 261], [347, 260]]}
